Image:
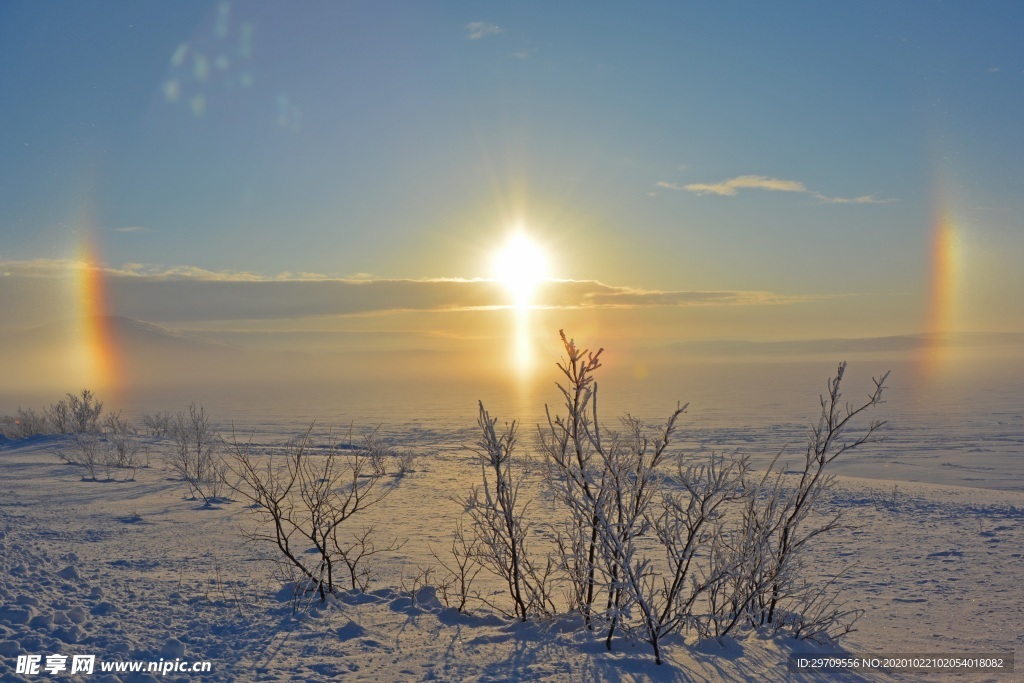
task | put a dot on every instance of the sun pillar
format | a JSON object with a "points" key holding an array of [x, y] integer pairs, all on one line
{"points": [[943, 291], [521, 266]]}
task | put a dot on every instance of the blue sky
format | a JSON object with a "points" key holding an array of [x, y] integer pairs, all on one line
{"points": [[803, 149]]}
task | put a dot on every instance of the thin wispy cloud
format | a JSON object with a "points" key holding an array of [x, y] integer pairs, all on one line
{"points": [[759, 182], [865, 199], [481, 29], [732, 186], [601, 295], [154, 272], [58, 268], [132, 228], [186, 293]]}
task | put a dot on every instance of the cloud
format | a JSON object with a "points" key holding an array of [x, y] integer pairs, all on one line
{"points": [[165, 273], [760, 182], [186, 293], [865, 199], [481, 29], [132, 228], [729, 188], [596, 294], [669, 186]]}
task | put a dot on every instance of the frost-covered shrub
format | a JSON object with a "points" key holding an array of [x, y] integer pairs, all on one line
{"points": [[25, 423], [609, 482], [377, 453], [88, 451], [306, 498], [157, 424], [115, 448], [404, 461], [783, 514], [76, 413], [500, 526], [709, 547], [195, 457], [461, 569], [385, 459], [125, 448]]}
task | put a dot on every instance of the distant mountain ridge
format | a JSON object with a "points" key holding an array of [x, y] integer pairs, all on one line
{"points": [[896, 343], [125, 331], [60, 354]]}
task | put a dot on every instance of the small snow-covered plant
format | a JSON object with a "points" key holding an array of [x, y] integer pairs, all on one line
{"points": [[377, 452], [355, 551], [608, 482], [690, 521], [76, 413], [886, 501], [25, 423], [765, 557], [734, 546], [302, 501], [88, 451], [115, 448], [632, 471], [113, 423], [384, 458], [413, 585], [404, 463], [58, 415], [157, 424], [125, 449], [578, 476], [462, 569], [799, 519], [499, 522], [195, 458]]}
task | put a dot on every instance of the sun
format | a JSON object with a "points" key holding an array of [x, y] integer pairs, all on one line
{"points": [[521, 265]]}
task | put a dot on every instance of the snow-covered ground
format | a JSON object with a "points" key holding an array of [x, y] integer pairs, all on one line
{"points": [[134, 570]]}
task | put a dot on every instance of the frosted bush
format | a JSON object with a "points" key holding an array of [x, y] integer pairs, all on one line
{"points": [[730, 547], [306, 498], [195, 457], [25, 423], [76, 413]]}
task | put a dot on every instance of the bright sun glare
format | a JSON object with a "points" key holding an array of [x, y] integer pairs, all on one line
{"points": [[521, 265]]}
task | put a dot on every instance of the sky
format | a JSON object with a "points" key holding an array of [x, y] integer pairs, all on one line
{"points": [[277, 172]]}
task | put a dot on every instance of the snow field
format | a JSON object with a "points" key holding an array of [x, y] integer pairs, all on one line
{"points": [[133, 570]]}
